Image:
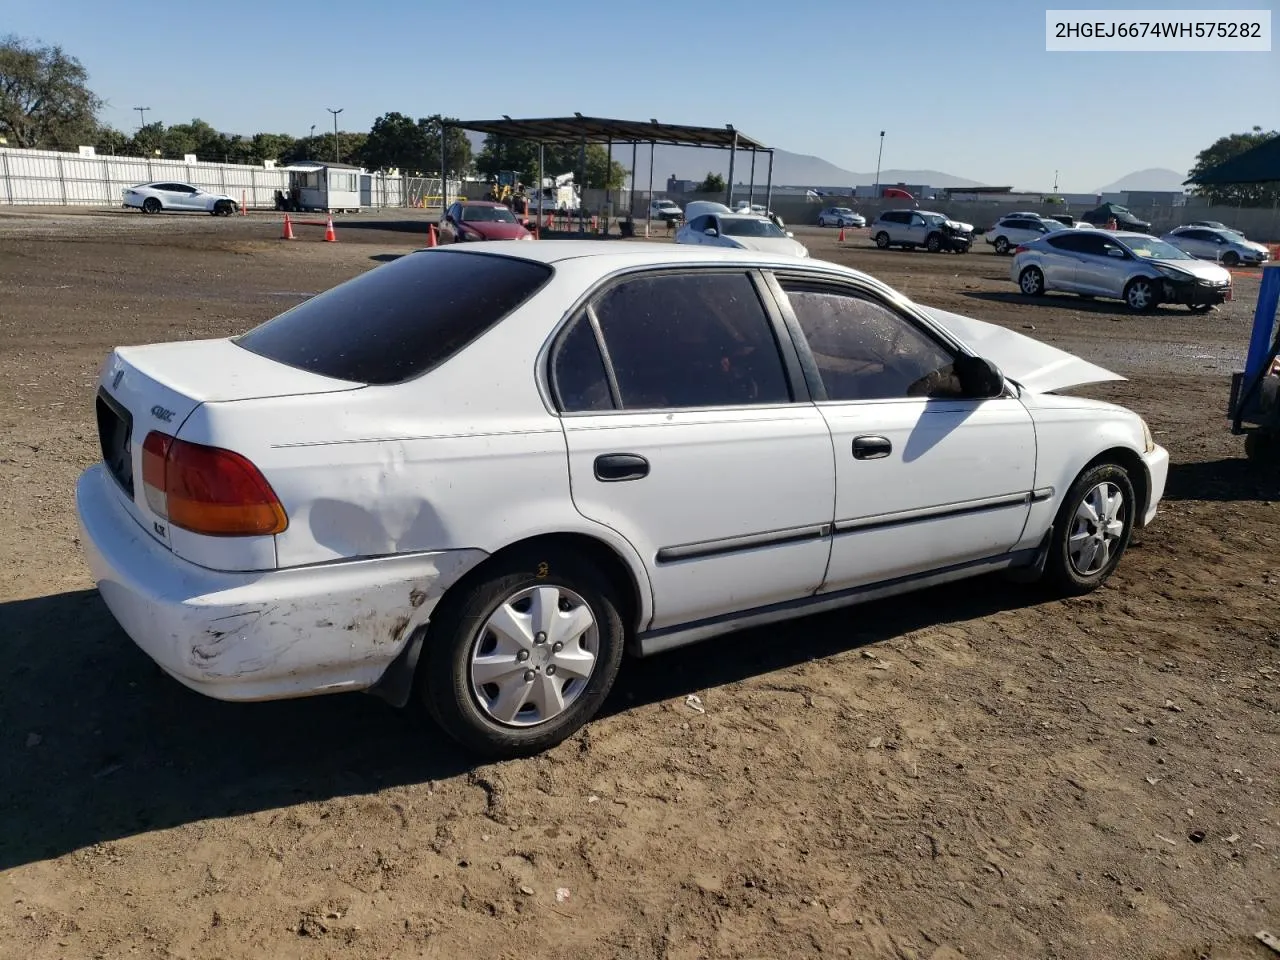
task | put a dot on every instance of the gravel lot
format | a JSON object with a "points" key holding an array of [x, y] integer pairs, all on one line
{"points": [[976, 772]]}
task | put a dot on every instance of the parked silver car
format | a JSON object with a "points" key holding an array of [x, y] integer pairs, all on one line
{"points": [[841, 217], [1138, 269], [1223, 246]]}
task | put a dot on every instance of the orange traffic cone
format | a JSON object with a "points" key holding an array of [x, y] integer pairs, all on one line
{"points": [[288, 229], [431, 235], [840, 239], [329, 235]]}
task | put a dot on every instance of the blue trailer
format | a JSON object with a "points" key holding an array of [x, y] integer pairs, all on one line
{"points": [[1254, 406]]}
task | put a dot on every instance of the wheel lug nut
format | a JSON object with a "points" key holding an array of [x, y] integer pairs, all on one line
{"points": [[540, 638], [528, 676], [557, 647], [551, 670], [522, 656]]}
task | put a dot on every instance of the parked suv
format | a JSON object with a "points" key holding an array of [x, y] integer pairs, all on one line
{"points": [[1012, 230], [921, 228]]}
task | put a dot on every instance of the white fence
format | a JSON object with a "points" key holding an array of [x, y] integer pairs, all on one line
{"points": [[48, 177]]}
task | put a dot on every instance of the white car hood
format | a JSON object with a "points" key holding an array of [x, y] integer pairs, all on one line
{"points": [[1034, 365], [783, 245]]}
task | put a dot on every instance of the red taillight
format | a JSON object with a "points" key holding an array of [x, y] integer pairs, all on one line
{"points": [[208, 490], [1020, 248]]}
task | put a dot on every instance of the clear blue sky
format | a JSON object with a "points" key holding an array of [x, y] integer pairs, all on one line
{"points": [[962, 86]]}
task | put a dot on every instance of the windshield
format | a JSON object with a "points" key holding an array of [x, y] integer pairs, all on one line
{"points": [[751, 228], [487, 214], [841, 210], [1149, 248]]}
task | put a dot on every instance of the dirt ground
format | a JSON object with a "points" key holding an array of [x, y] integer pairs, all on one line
{"points": [[974, 772]]}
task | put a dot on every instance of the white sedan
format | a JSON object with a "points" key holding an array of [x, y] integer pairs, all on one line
{"points": [[171, 195], [475, 476], [740, 231]]}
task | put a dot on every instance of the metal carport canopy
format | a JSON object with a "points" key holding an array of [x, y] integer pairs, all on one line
{"points": [[580, 129], [598, 130]]}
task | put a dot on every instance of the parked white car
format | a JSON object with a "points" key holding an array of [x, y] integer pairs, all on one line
{"points": [[478, 499], [172, 195], [1222, 246], [1140, 270], [1007, 232], [841, 217], [740, 231]]}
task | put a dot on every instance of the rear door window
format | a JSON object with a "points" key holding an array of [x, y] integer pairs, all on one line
{"points": [[400, 320], [691, 340]]}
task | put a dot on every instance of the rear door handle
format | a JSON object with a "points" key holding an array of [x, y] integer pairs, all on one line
{"points": [[613, 467], [871, 448]]}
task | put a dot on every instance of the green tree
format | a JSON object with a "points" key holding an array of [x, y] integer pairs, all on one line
{"points": [[269, 146], [147, 140], [1243, 194], [111, 142], [45, 100], [714, 183], [395, 142]]}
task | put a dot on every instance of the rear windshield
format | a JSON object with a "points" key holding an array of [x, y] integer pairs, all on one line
{"points": [[397, 321]]}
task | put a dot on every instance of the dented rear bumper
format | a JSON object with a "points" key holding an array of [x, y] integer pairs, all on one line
{"points": [[262, 635]]}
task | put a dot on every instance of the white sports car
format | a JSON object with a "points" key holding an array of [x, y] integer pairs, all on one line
{"points": [[476, 475], [170, 195], [740, 231]]}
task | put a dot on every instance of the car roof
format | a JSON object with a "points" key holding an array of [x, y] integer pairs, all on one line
{"points": [[635, 253], [479, 203]]}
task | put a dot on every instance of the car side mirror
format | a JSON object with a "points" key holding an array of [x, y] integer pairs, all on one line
{"points": [[1113, 252], [980, 379], [790, 234], [711, 232]]}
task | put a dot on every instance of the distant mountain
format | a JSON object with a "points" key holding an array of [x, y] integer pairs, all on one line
{"points": [[1155, 178], [789, 169]]}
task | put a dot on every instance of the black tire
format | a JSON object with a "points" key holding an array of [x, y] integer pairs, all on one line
{"points": [[1262, 447], [151, 205], [1200, 307], [458, 626], [224, 208], [1031, 282], [1231, 259], [882, 240], [1063, 574], [933, 243], [1002, 245], [1140, 295]]}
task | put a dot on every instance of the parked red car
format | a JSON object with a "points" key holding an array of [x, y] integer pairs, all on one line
{"points": [[480, 220]]}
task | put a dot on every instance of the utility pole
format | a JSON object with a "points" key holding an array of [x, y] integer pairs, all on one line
{"points": [[879, 157], [311, 141], [142, 116], [1055, 183], [336, 157]]}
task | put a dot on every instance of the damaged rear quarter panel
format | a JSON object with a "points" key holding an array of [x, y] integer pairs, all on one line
{"points": [[294, 628]]}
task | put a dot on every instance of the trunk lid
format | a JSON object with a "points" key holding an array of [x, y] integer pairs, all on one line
{"points": [[158, 386]]}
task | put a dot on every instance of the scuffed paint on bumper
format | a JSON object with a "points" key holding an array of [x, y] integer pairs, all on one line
{"points": [[258, 636]]}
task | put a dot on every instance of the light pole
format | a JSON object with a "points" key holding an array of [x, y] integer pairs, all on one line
{"points": [[142, 116], [879, 157], [336, 157], [311, 141]]}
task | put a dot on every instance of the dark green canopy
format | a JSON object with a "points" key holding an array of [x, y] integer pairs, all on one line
{"points": [[1259, 165]]}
